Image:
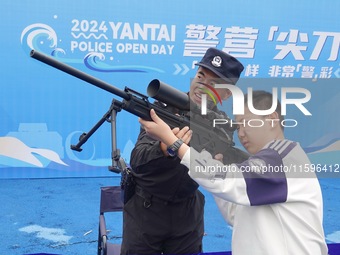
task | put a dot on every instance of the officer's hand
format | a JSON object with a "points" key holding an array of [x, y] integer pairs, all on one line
{"points": [[219, 157]]}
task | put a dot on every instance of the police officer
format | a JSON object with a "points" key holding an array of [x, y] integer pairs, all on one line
{"points": [[165, 216]]}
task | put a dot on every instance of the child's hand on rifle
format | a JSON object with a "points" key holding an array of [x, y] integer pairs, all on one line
{"points": [[159, 130]]}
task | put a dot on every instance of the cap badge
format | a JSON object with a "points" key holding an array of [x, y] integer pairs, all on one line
{"points": [[217, 61]]}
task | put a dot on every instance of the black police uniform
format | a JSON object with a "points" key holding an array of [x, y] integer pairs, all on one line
{"points": [[166, 213]]}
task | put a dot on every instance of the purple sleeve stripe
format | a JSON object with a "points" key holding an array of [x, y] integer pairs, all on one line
{"points": [[267, 190], [273, 144], [282, 144], [266, 187], [283, 152], [283, 147]]}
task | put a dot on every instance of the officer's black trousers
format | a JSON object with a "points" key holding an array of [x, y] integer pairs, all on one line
{"points": [[152, 226]]}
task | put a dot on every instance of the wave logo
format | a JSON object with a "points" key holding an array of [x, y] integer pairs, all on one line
{"points": [[37, 36], [213, 94]]}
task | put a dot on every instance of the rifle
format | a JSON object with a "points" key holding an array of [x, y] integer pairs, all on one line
{"points": [[205, 136]]}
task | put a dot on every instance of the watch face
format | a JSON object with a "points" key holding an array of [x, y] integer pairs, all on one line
{"points": [[172, 149], [171, 152]]}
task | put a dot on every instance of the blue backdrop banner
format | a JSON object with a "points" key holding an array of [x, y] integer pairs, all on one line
{"points": [[282, 44]]}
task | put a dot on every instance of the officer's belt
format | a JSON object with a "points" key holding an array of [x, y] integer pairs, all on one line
{"points": [[151, 198]]}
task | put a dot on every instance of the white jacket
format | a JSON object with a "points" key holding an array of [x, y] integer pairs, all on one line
{"points": [[273, 200]]}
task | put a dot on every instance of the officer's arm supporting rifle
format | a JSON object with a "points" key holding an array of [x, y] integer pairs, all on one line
{"points": [[213, 139]]}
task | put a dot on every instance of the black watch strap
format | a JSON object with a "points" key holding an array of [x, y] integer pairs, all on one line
{"points": [[172, 149]]}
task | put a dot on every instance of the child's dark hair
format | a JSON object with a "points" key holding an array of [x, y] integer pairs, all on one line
{"points": [[263, 100]]}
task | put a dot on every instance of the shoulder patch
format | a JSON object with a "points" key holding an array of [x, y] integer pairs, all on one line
{"points": [[257, 164]]}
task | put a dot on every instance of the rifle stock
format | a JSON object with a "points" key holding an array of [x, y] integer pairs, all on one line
{"points": [[213, 139]]}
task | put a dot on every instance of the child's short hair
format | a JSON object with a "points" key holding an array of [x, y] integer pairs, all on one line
{"points": [[263, 100]]}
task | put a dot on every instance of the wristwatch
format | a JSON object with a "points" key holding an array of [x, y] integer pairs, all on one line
{"points": [[172, 149]]}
